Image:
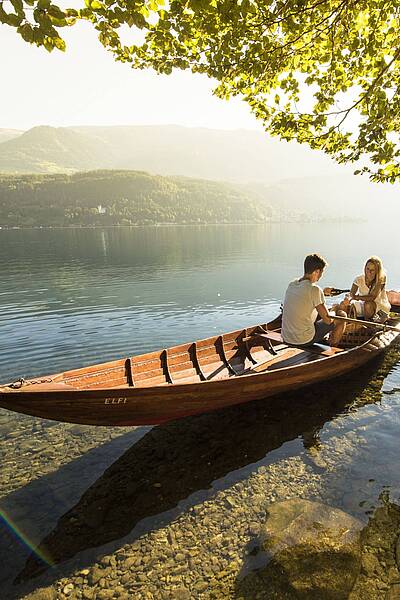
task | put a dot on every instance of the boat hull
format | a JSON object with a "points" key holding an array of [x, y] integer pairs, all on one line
{"points": [[158, 404]]}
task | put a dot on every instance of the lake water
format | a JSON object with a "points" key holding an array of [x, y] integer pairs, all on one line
{"points": [[74, 297]]}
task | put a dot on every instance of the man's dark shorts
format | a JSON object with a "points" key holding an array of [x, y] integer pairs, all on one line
{"points": [[321, 330]]}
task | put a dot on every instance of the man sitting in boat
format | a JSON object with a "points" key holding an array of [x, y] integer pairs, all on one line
{"points": [[305, 318]]}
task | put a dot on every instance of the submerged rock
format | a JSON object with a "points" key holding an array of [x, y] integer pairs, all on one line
{"points": [[47, 593], [380, 577], [313, 551]]}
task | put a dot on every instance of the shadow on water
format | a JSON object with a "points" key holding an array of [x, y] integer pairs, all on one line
{"points": [[173, 466], [30, 511]]}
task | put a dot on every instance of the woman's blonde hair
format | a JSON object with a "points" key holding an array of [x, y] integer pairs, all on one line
{"points": [[380, 273]]}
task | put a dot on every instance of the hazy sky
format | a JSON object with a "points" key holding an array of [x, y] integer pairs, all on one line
{"points": [[85, 86]]}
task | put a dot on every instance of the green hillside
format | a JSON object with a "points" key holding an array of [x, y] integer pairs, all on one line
{"points": [[293, 180], [122, 198]]}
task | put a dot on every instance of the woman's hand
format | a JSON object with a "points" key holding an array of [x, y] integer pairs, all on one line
{"points": [[327, 291]]}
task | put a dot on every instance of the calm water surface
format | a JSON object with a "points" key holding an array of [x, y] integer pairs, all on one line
{"points": [[74, 297]]}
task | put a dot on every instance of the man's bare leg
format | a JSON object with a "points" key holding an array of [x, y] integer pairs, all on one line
{"points": [[338, 329]]}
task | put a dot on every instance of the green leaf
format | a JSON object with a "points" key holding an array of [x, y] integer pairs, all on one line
{"points": [[18, 5], [14, 20], [26, 32], [56, 12], [59, 44]]}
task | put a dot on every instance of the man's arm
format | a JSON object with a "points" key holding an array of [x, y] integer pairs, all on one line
{"points": [[323, 313]]}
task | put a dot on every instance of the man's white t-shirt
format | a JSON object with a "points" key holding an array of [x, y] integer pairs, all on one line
{"points": [[299, 311]]}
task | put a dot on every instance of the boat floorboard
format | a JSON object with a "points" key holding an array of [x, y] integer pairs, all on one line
{"points": [[302, 356]]}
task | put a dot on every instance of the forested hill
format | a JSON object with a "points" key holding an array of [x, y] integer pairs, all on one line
{"points": [[122, 198]]}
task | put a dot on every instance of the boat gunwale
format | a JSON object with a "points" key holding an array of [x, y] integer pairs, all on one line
{"points": [[165, 389]]}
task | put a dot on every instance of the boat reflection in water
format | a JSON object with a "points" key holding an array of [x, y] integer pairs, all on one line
{"points": [[173, 461]]}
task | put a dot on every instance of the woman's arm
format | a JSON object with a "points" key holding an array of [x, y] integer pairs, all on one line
{"points": [[353, 291], [376, 290]]}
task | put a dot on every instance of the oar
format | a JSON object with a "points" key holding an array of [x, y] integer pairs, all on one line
{"points": [[373, 323], [336, 291]]}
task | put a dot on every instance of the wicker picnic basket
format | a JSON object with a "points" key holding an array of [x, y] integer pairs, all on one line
{"points": [[355, 333]]}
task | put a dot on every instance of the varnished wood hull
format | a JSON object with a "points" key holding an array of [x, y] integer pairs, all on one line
{"points": [[132, 404]]}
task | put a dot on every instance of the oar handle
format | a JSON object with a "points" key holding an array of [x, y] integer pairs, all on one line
{"points": [[337, 291], [350, 320]]}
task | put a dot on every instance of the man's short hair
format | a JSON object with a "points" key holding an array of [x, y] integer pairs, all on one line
{"points": [[312, 262]]}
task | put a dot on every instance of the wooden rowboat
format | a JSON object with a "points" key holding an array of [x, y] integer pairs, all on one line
{"points": [[210, 374]]}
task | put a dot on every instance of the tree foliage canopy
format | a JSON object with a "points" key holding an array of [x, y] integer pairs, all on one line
{"points": [[322, 72]]}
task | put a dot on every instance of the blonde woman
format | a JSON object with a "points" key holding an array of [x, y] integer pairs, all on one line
{"points": [[368, 292]]}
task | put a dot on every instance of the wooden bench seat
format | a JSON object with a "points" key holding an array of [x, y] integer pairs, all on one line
{"points": [[323, 349]]}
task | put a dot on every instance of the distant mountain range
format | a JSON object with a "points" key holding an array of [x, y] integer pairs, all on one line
{"points": [[290, 177], [239, 155], [345, 195], [51, 150], [9, 134]]}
